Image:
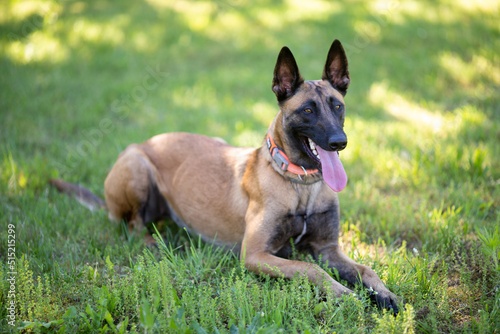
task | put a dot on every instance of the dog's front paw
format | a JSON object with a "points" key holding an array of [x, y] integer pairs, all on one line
{"points": [[386, 300]]}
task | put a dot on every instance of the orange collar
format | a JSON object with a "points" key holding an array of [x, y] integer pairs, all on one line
{"points": [[282, 160]]}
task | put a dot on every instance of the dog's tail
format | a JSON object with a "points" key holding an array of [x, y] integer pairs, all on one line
{"points": [[81, 194]]}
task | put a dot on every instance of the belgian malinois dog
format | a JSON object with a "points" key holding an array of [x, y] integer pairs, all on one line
{"points": [[262, 202]]}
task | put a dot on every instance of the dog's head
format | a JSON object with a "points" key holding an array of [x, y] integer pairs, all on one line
{"points": [[313, 112]]}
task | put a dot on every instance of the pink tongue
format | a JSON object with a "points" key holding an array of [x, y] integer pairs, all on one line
{"points": [[333, 171]]}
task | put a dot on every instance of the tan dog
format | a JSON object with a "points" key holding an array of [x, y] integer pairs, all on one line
{"points": [[258, 201]]}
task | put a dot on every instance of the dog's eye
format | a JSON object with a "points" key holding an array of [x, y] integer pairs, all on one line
{"points": [[308, 110], [337, 107]]}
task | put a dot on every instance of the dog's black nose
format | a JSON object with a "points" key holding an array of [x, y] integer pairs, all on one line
{"points": [[338, 142]]}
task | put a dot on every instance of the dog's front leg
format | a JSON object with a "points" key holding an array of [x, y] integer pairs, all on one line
{"points": [[257, 254], [354, 273], [266, 263]]}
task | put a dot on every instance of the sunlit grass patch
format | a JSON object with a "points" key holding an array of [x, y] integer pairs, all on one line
{"points": [[38, 48], [22, 10]]}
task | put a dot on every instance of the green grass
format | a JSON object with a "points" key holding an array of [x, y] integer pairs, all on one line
{"points": [[81, 80]]}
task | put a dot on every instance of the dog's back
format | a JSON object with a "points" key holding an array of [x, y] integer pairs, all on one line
{"points": [[193, 179]]}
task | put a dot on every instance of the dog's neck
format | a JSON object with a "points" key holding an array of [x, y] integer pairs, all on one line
{"points": [[284, 155]]}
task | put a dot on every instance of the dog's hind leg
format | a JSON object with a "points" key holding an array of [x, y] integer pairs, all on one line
{"points": [[131, 191]]}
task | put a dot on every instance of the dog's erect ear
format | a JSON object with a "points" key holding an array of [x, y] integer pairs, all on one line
{"points": [[336, 71], [287, 77]]}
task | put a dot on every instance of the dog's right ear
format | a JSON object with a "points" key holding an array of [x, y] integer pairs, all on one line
{"points": [[287, 77]]}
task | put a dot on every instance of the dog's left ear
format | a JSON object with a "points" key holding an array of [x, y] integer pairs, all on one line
{"points": [[336, 71]]}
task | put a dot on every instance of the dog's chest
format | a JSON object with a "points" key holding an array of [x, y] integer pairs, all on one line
{"points": [[300, 228]]}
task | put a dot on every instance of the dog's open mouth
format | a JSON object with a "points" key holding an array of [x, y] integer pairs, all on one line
{"points": [[312, 152], [329, 163]]}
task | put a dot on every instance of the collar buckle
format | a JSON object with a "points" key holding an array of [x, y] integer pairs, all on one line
{"points": [[280, 159]]}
